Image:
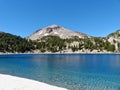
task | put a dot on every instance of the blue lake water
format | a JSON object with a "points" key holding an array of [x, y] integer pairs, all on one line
{"points": [[74, 72]]}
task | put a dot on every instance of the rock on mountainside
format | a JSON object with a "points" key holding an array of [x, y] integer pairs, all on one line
{"points": [[114, 37], [56, 30]]}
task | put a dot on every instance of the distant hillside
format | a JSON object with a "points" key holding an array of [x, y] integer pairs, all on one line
{"points": [[78, 45], [13, 44], [114, 37]]}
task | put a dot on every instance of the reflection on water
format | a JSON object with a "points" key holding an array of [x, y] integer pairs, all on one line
{"points": [[116, 61], [75, 72]]}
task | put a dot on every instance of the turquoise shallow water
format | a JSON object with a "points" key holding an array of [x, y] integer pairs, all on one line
{"points": [[75, 72]]}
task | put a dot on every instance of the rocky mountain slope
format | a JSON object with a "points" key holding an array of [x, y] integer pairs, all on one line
{"points": [[55, 30], [114, 37], [57, 39]]}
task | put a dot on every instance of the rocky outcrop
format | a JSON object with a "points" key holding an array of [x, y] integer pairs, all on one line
{"points": [[114, 37]]}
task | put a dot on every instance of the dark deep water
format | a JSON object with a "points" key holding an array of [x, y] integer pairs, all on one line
{"points": [[75, 72]]}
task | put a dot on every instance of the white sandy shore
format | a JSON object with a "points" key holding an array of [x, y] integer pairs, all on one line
{"points": [[8, 82]]}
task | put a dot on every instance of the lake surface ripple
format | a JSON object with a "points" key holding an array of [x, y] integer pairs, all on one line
{"points": [[75, 71]]}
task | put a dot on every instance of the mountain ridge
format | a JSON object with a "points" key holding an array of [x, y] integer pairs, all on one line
{"points": [[71, 42]]}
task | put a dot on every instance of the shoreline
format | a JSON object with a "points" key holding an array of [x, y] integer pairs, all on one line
{"points": [[53, 53], [8, 82]]}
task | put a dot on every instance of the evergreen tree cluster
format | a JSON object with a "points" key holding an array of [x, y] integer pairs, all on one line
{"points": [[51, 44], [56, 44], [12, 43]]}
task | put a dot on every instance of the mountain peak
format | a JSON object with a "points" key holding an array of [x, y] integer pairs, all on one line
{"points": [[53, 26], [55, 30]]}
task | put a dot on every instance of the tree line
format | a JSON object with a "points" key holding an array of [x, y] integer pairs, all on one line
{"points": [[12, 43]]}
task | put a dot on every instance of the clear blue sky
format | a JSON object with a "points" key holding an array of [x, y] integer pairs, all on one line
{"points": [[93, 17]]}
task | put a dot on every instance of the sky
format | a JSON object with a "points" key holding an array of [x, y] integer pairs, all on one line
{"points": [[92, 17]]}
